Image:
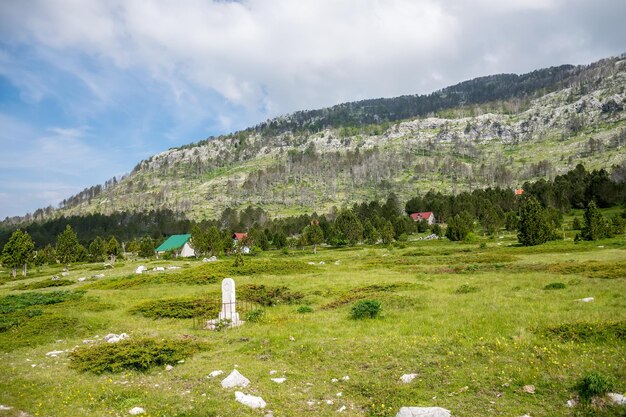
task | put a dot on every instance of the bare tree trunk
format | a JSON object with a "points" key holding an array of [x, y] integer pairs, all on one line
{"points": [[14, 272], [24, 270]]}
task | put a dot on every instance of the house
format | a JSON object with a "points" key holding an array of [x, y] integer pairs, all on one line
{"points": [[425, 215], [179, 245], [238, 237]]}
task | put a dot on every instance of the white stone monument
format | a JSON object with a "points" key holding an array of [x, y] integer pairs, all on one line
{"points": [[229, 313]]}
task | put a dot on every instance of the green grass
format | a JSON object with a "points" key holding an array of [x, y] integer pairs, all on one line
{"points": [[476, 325]]}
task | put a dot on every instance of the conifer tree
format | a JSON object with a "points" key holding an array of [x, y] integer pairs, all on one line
{"points": [[534, 225], [18, 252]]}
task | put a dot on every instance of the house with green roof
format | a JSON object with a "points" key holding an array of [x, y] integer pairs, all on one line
{"points": [[179, 245]]}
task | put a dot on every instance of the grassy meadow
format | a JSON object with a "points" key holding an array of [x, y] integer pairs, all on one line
{"points": [[475, 321]]}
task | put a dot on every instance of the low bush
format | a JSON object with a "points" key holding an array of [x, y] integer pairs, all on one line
{"points": [[304, 309], [177, 308], [139, 355], [255, 316], [11, 303], [554, 286], [594, 385], [269, 296], [47, 283], [465, 289], [365, 309], [588, 331]]}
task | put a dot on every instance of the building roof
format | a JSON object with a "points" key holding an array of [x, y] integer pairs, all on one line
{"points": [[239, 236], [421, 216], [173, 242]]}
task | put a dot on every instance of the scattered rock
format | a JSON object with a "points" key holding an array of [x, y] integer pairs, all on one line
{"points": [[423, 412], [334, 380], [211, 259], [339, 394], [169, 367], [169, 268], [586, 300], [346, 378], [96, 276], [293, 339], [140, 269], [158, 268], [215, 373], [4, 407], [107, 265], [55, 353], [249, 400], [81, 279], [114, 338], [329, 402], [529, 389], [279, 380], [273, 372], [55, 278], [322, 263], [341, 409], [407, 378], [88, 341], [337, 262], [64, 274], [235, 379], [136, 411], [572, 403], [311, 263], [618, 399]]}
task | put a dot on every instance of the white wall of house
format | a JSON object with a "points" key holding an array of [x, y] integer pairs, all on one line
{"points": [[187, 251]]}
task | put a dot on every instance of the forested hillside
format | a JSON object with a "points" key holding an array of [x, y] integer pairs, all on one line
{"points": [[494, 131]]}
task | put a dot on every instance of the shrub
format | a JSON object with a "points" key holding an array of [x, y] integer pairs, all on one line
{"points": [[304, 309], [47, 283], [586, 331], [593, 385], [269, 296], [177, 308], [554, 286], [365, 309], [255, 315], [11, 303], [465, 289], [140, 355]]}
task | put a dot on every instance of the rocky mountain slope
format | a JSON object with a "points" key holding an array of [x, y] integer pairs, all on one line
{"points": [[492, 131]]}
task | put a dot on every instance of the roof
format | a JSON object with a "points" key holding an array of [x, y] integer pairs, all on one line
{"points": [[173, 242], [423, 215], [239, 236]]}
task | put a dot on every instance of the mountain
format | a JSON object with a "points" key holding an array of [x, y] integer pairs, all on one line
{"points": [[499, 130]]}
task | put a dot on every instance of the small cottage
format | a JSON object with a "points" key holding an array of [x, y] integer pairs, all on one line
{"points": [[179, 245], [237, 238], [425, 215]]}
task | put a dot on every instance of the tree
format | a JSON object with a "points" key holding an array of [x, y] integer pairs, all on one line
{"points": [[596, 226], [97, 249], [68, 248], [392, 208], [511, 222], [146, 247], [370, 234], [534, 226], [113, 249], [279, 240], [47, 255], [199, 240], [18, 252], [215, 242], [460, 226], [313, 235], [387, 232], [349, 226]]}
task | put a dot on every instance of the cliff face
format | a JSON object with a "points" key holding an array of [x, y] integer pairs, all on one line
{"points": [[495, 134]]}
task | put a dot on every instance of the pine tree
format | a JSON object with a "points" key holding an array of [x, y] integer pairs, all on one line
{"points": [[114, 249], [18, 252], [370, 234], [596, 226], [349, 226], [313, 235], [534, 225], [68, 248], [387, 232], [199, 240], [97, 249], [215, 242], [459, 226]]}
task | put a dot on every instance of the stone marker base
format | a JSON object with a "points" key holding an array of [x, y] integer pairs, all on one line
{"points": [[220, 323]]}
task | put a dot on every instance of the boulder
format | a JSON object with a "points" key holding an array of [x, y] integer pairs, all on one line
{"points": [[423, 412], [235, 379], [140, 269], [407, 378], [618, 399], [249, 400], [114, 338], [136, 411]]}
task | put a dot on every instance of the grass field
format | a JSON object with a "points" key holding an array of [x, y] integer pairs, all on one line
{"points": [[475, 321]]}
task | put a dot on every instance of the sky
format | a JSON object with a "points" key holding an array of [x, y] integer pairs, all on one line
{"points": [[90, 88]]}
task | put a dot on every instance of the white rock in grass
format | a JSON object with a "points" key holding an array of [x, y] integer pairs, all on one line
{"points": [[249, 400], [586, 300], [273, 372], [279, 380], [81, 279], [4, 407], [572, 403], [136, 411], [406, 378], [346, 378], [114, 338], [423, 412], [235, 379], [55, 353], [341, 409], [140, 269], [216, 373], [169, 367], [618, 399]]}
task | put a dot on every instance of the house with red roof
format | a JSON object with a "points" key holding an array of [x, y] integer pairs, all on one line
{"points": [[425, 215], [239, 237]]}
